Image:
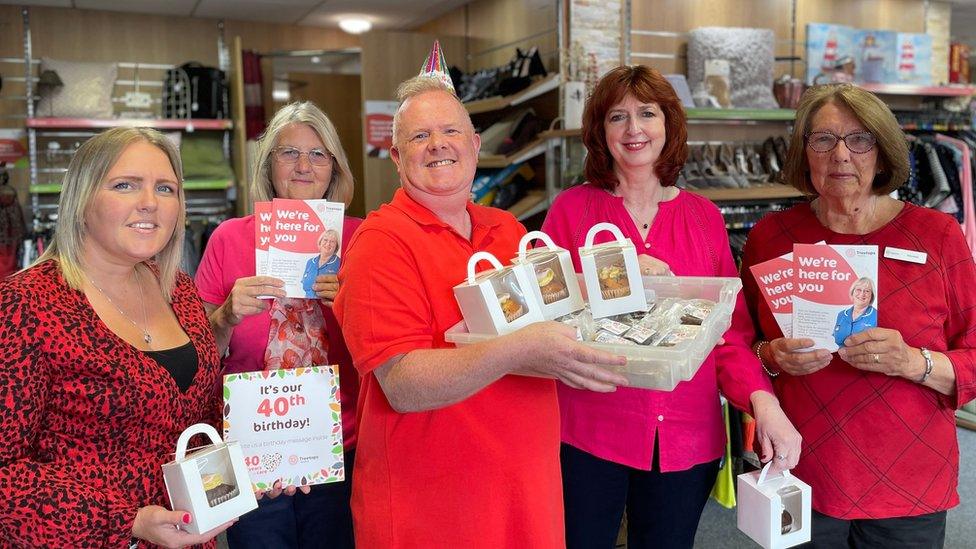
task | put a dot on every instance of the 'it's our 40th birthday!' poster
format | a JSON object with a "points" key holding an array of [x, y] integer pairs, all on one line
{"points": [[288, 423]]}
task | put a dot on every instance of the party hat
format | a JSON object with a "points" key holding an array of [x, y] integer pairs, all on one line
{"points": [[435, 66]]}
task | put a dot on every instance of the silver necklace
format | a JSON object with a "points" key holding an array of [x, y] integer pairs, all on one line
{"points": [[145, 318]]}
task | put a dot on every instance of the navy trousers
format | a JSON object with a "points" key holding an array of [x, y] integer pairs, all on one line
{"points": [[320, 519], [663, 509]]}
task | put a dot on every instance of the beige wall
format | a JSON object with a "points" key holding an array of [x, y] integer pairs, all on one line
{"points": [[489, 23]]}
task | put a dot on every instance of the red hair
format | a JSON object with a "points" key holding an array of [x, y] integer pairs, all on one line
{"points": [[648, 86]]}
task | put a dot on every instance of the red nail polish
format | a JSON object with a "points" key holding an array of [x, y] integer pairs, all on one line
{"points": [[186, 518]]}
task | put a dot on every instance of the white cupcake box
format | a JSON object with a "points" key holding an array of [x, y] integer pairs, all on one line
{"points": [[220, 463], [611, 274], [556, 288], [497, 301]]}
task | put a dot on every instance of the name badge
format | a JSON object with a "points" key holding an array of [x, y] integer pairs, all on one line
{"points": [[911, 256]]}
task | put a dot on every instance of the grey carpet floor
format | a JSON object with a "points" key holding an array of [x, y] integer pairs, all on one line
{"points": [[717, 527]]}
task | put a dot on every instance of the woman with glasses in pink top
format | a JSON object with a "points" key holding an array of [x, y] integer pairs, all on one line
{"points": [[298, 157]]}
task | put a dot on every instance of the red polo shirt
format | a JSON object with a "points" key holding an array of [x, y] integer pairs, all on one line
{"points": [[480, 473]]}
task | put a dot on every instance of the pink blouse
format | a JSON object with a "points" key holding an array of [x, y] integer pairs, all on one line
{"points": [[688, 234]]}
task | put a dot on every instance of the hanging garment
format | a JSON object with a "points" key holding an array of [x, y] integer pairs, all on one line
{"points": [[11, 229], [966, 186]]}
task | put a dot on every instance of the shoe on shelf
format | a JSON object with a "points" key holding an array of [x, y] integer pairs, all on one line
{"points": [[726, 159], [525, 130], [718, 176], [770, 161], [494, 136]]}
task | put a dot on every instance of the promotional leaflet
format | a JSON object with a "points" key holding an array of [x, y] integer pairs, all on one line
{"points": [[288, 424], [262, 236], [836, 290], [306, 237], [775, 281]]}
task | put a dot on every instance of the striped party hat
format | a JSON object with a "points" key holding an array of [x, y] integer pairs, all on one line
{"points": [[435, 66]]}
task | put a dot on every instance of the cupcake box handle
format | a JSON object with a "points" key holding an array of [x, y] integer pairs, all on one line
{"points": [[534, 235], [478, 257], [765, 470], [196, 429], [600, 227]]}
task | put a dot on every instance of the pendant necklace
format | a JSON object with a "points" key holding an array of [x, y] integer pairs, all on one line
{"points": [[634, 217], [145, 318]]}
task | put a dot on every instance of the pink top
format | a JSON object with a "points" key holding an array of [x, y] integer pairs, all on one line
{"points": [[229, 256], [689, 234]]}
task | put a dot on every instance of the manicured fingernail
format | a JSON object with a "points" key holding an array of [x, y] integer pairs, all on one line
{"points": [[187, 518]]}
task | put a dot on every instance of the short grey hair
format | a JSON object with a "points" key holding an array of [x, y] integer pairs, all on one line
{"points": [[88, 168], [870, 111], [341, 186], [416, 86]]}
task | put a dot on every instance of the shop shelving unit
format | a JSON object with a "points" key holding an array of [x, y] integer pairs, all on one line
{"points": [[204, 197], [536, 200]]}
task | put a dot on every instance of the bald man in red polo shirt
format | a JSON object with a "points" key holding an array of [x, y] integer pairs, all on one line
{"points": [[457, 447]]}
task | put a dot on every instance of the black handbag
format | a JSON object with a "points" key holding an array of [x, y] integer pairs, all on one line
{"points": [[195, 91]]}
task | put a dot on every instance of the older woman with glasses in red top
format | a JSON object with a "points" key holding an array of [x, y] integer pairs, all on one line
{"points": [[880, 448]]}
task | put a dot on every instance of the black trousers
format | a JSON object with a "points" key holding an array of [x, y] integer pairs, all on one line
{"points": [[663, 509], [921, 532]]}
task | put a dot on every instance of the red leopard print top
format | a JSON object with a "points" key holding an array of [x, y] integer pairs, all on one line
{"points": [[87, 420]]}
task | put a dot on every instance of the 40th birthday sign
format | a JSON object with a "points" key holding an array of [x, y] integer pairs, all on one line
{"points": [[288, 423]]}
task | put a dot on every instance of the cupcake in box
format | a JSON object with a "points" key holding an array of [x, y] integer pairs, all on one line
{"points": [[612, 274]]}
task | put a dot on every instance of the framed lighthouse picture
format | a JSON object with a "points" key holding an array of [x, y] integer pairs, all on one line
{"points": [[914, 58], [827, 46]]}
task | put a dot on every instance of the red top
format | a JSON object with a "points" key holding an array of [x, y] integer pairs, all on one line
{"points": [[688, 234], [480, 473], [87, 420], [229, 256], [876, 446]]}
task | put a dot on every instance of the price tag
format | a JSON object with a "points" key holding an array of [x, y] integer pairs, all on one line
{"points": [[288, 423]]}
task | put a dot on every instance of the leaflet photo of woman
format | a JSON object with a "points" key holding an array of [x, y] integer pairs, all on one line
{"points": [[327, 262], [861, 315]]}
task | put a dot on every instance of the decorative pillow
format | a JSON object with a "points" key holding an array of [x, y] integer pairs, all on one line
{"points": [[86, 93], [748, 56]]}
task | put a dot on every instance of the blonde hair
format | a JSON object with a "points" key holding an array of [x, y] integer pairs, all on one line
{"points": [[340, 188], [876, 117], [87, 170], [416, 86]]}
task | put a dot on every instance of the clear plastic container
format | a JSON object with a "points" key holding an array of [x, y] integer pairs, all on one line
{"points": [[660, 368]]}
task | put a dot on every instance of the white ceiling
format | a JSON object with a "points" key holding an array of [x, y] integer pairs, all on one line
{"points": [[384, 14]]}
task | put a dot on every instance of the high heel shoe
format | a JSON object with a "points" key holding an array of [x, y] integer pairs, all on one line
{"points": [[715, 174], [769, 160], [726, 159]]}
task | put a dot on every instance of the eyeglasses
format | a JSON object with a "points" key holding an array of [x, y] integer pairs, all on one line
{"points": [[857, 142], [290, 155]]}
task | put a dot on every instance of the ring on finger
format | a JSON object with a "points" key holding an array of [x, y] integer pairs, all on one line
{"points": [[877, 359], [781, 457]]}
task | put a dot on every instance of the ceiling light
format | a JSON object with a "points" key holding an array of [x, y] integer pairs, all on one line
{"points": [[315, 59], [355, 25]]}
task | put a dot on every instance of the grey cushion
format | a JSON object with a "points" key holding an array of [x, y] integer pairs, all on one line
{"points": [[750, 56], [86, 93]]}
